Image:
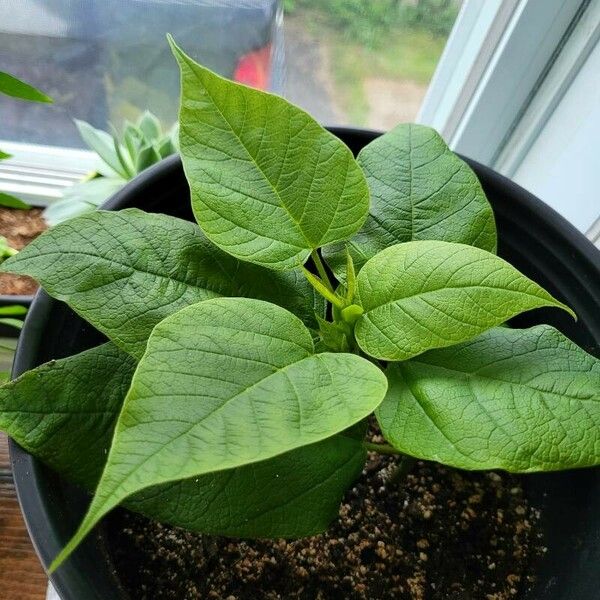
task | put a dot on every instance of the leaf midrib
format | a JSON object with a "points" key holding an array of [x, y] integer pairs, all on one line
{"points": [[518, 384], [451, 288], [125, 479], [252, 159], [132, 270]]}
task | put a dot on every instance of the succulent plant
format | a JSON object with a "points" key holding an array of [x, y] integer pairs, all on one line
{"points": [[123, 156]]}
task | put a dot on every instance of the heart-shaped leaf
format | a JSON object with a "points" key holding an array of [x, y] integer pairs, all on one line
{"points": [[292, 495], [420, 190], [423, 295], [225, 383], [519, 400], [126, 271], [269, 184], [64, 413]]}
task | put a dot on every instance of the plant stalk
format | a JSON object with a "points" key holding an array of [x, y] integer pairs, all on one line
{"points": [[321, 270], [382, 448], [405, 465]]}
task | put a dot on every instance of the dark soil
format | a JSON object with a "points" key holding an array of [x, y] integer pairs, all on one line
{"points": [[19, 227], [441, 535]]}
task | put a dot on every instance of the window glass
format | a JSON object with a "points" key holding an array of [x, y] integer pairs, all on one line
{"points": [[359, 62], [364, 62], [108, 60]]}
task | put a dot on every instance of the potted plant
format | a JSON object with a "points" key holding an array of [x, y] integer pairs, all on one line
{"points": [[334, 331], [122, 157], [19, 222]]}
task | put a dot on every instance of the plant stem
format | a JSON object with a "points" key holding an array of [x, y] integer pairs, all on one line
{"points": [[382, 448], [321, 270], [403, 468]]}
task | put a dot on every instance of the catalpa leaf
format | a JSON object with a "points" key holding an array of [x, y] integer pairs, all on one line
{"points": [[519, 400], [292, 495], [268, 183], [423, 295], [64, 413], [225, 383], [420, 190], [126, 271]]}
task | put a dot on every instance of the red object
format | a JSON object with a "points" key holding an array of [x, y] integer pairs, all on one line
{"points": [[254, 68]]}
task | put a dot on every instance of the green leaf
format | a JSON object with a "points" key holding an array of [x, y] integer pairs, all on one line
{"points": [[122, 156], [149, 125], [6, 250], [423, 295], [268, 183], [64, 413], [420, 190], [148, 156], [82, 198], [4, 155], [519, 400], [292, 495], [11, 86], [103, 145], [16, 323], [225, 383], [126, 271], [166, 147], [133, 139], [12, 310], [334, 336], [10, 201]]}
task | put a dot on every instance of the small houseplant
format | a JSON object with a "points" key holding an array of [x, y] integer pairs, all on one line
{"points": [[212, 331], [122, 157]]}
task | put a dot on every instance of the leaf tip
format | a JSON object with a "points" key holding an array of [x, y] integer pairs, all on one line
{"points": [[63, 555], [175, 49], [566, 308]]}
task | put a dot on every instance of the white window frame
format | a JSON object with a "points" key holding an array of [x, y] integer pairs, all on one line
{"points": [[38, 174], [582, 39], [506, 67], [496, 57]]}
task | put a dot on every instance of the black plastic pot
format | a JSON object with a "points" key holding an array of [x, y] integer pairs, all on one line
{"points": [[532, 237]]}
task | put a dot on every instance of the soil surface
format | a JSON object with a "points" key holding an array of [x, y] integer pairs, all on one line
{"points": [[442, 534], [19, 227]]}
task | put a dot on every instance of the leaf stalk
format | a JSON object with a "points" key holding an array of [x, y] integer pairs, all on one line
{"points": [[321, 270], [382, 448]]}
